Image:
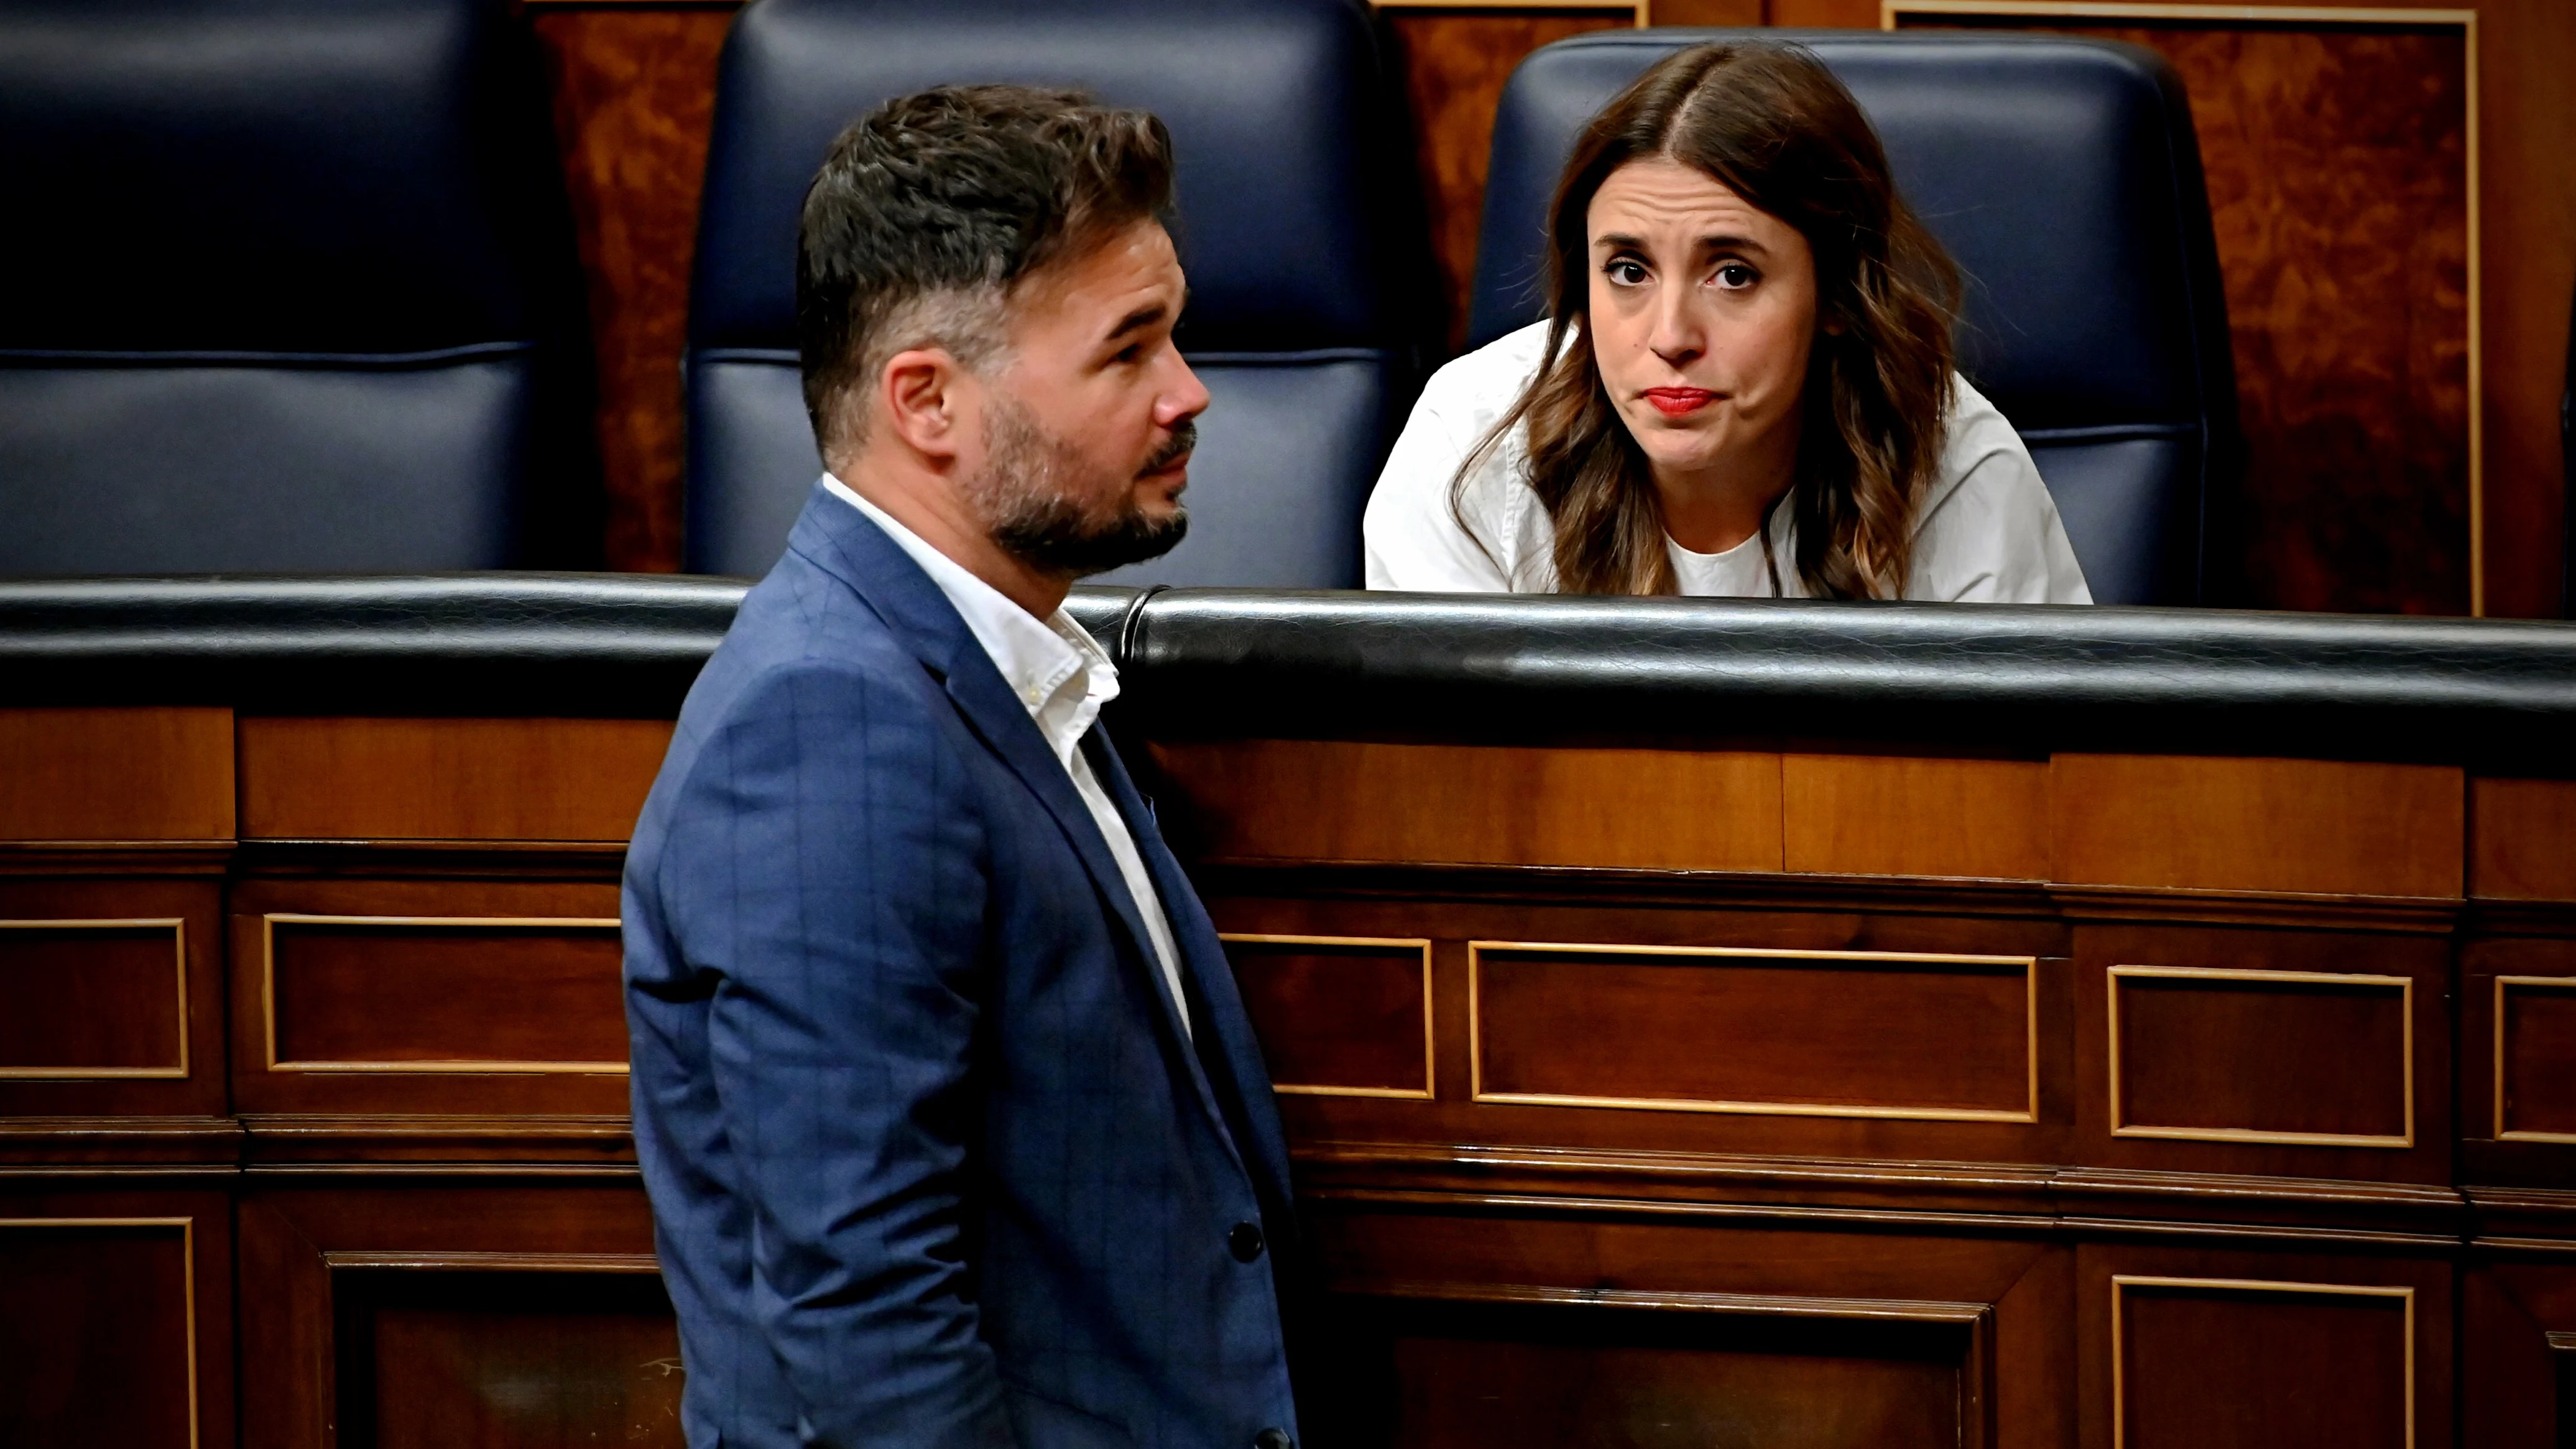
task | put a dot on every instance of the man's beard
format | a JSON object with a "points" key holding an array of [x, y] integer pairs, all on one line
{"points": [[1031, 489]]}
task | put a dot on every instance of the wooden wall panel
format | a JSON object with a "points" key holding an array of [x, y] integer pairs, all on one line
{"points": [[2522, 839], [116, 774], [634, 96], [102, 1337], [466, 993], [2535, 1046], [1339, 1016], [1342, 800], [2307, 826], [2262, 1055], [1889, 815], [2518, 1353], [447, 779], [1782, 1033], [94, 999]]}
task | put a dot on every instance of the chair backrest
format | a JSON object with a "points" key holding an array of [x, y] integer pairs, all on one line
{"points": [[2064, 176], [1286, 185], [287, 285]]}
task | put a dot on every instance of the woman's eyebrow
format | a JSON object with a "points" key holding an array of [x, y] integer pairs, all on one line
{"points": [[1732, 242]]}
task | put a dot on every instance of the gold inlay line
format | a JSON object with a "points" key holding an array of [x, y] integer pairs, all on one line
{"points": [[2537, 983], [2029, 966], [2403, 985], [2120, 1282], [1430, 1062], [179, 950], [269, 923]]}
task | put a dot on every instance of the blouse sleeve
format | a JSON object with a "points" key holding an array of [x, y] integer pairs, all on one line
{"points": [[1412, 535], [1997, 539]]}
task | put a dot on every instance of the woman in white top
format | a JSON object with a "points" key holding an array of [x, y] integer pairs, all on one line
{"points": [[1745, 386]]}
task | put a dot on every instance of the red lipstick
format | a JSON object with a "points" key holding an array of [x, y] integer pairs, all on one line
{"points": [[1673, 402]]}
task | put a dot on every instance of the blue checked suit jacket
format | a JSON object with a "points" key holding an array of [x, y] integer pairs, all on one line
{"points": [[931, 1161]]}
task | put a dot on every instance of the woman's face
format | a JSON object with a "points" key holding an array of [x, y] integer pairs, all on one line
{"points": [[1703, 313]]}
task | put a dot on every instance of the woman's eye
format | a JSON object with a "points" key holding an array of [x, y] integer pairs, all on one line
{"points": [[1626, 273], [1736, 276]]}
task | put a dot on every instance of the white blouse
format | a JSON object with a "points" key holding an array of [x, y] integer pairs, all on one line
{"points": [[1987, 532]]}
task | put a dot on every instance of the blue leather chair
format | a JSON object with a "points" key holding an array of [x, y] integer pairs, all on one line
{"points": [[2065, 178], [285, 285], [1286, 187]]}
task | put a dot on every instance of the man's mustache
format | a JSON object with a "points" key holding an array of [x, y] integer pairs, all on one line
{"points": [[1183, 442]]}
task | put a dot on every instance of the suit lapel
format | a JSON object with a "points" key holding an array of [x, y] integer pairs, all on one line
{"points": [[849, 546]]}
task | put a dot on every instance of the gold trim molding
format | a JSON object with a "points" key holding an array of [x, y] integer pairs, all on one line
{"points": [[187, 1280], [179, 941], [1476, 1035], [2405, 988], [1642, 9], [2541, 983], [1430, 1061], [2120, 1282], [269, 923], [1890, 11]]}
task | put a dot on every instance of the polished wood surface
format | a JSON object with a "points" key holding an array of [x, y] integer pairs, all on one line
{"points": [[116, 774], [2320, 827], [1635, 1096], [2522, 839], [634, 97], [98, 999], [1899, 815], [1663, 809], [446, 779], [94, 1347]]}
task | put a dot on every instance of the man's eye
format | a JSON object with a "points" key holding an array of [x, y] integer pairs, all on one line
{"points": [[1626, 273], [1736, 276]]}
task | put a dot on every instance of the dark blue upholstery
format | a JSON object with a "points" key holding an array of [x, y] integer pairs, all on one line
{"points": [[2065, 178], [1287, 188], [285, 285]]}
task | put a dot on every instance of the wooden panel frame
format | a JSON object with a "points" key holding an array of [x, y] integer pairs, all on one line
{"points": [[1891, 11], [2406, 1045], [1430, 1053], [2544, 983], [1642, 9], [188, 1281], [2030, 1028], [2120, 1282], [268, 924], [179, 942]]}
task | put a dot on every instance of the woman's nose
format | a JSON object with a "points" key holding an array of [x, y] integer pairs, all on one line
{"points": [[1676, 337]]}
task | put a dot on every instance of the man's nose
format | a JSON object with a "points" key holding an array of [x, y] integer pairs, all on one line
{"points": [[1185, 397]]}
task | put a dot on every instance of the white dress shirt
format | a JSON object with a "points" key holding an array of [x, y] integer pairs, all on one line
{"points": [[1987, 532], [1060, 673]]}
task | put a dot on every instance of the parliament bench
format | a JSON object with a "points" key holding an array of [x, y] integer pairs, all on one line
{"points": [[1695, 1021]]}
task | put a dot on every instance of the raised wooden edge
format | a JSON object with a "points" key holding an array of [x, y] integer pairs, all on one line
{"points": [[1429, 1080], [2120, 1282], [1639, 8], [2406, 1046], [1476, 1035], [2543, 983], [187, 1279], [179, 941], [2241, 14], [268, 925], [1775, 1305]]}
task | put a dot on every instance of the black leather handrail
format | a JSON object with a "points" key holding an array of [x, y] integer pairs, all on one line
{"points": [[2496, 695]]}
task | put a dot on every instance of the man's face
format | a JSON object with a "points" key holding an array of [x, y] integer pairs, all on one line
{"points": [[1088, 424]]}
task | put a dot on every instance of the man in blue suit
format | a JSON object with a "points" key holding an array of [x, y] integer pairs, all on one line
{"points": [[954, 1128]]}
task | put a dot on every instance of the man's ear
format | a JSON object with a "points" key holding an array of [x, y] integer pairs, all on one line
{"points": [[922, 397]]}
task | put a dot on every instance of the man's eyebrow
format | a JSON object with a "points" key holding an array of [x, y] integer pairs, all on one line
{"points": [[1145, 316]]}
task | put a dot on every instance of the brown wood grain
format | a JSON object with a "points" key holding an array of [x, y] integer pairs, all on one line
{"points": [[531, 1360], [2522, 839], [1338, 1016], [116, 774], [127, 1013], [634, 96], [391, 990], [1342, 800], [1455, 62], [94, 1342], [1863, 1036], [1893, 815], [87, 1000], [2199, 1054], [447, 779], [2516, 1382], [2306, 826]]}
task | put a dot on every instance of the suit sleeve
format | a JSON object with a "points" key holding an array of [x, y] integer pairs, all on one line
{"points": [[828, 864]]}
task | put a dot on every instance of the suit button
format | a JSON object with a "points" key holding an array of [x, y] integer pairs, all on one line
{"points": [[1273, 1439], [1245, 1243]]}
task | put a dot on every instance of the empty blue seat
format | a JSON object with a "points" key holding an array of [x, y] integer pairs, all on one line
{"points": [[1287, 184], [2065, 178], [285, 285]]}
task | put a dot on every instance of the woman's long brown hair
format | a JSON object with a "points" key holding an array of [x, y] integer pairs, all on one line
{"points": [[1770, 123]]}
